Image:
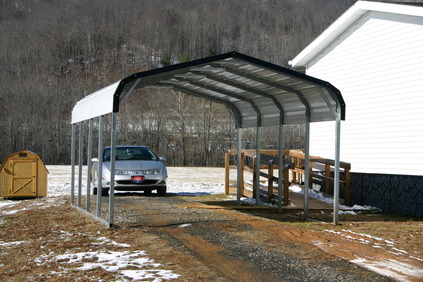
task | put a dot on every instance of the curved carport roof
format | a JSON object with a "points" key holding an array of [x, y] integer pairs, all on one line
{"points": [[257, 93]]}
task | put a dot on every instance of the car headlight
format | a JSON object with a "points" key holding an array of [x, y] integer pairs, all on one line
{"points": [[122, 172], [151, 171]]}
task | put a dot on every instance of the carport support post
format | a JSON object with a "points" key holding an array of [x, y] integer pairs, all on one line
{"points": [[257, 172], [238, 167], [307, 168], [280, 167], [100, 164], [112, 170], [73, 153], [337, 173], [80, 149], [89, 163]]}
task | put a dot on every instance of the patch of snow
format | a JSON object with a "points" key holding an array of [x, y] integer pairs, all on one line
{"points": [[13, 211], [358, 207], [7, 244], [107, 241], [392, 268], [249, 201], [369, 236], [358, 237], [400, 251], [296, 189], [397, 269], [157, 275], [347, 212], [5, 206], [6, 203], [114, 261], [134, 265], [322, 197]]}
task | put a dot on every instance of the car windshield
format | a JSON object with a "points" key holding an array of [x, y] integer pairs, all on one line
{"points": [[131, 153]]}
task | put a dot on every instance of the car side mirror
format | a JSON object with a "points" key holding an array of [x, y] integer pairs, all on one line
{"points": [[162, 159]]}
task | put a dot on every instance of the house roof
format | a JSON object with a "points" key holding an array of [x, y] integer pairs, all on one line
{"points": [[349, 18], [257, 93]]}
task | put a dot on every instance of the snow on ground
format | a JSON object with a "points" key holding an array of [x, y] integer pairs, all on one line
{"points": [[329, 200], [187, 181], [396, 269], [182, 181], [131, 265]]}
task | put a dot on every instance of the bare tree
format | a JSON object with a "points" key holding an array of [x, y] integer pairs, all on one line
{"points": [[54, 53]]}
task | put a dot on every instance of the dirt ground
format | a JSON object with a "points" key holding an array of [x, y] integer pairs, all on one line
{"points": [[207, 238]]}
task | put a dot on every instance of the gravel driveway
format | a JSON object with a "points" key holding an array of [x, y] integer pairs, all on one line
{"points": [[232, 245]]}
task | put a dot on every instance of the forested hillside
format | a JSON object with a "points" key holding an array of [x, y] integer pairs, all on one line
{"points": [[53, 53]]}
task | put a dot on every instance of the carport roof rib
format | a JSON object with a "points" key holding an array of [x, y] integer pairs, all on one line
{"points": [[256, 92]]}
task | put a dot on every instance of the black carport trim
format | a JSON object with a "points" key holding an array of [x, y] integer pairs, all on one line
{"points": [[168, 70]]}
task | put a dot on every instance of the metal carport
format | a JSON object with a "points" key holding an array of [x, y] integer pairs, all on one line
{"points": [[256, 93]]}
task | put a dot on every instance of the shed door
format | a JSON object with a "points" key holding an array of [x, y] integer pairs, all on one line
{"points": [[24, 181]]}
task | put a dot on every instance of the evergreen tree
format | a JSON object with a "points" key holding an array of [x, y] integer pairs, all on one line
{"points": [[166, 60]]}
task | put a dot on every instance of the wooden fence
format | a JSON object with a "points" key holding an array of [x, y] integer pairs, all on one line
{"points": [[292, 172]]}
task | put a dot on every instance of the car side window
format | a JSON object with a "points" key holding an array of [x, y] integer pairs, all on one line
{"points": [[151, 155], [106, 155]]}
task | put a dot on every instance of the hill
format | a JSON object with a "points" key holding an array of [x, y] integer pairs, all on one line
{"points": [[54, 53]]}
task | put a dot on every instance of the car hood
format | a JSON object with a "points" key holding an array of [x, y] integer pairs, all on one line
{"points": [[135, 165]]}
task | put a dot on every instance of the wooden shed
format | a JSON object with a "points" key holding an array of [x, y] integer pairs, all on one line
{"points": [[23, 175]]}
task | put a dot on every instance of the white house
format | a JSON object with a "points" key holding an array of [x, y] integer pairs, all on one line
{"points": [[373, 54]]}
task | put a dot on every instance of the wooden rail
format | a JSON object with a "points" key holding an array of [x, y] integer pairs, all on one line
{"points": [[293, 171], [320, 168]]}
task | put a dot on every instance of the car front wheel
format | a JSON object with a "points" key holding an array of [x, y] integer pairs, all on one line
{"points": [[104, 191], [161, 191]]}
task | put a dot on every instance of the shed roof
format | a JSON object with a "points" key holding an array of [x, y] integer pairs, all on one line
{"points": [[256, 92], [349, 18], [22, 154]]}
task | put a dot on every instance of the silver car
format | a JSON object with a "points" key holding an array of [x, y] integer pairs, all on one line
{"points": [[137, 168]]}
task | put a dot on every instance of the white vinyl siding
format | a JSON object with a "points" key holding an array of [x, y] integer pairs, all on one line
{"points": [[377, 64]]}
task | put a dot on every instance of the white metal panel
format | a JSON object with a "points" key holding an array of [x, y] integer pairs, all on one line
{"points": [[359, 9], [378, 66], [96, 104]]}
